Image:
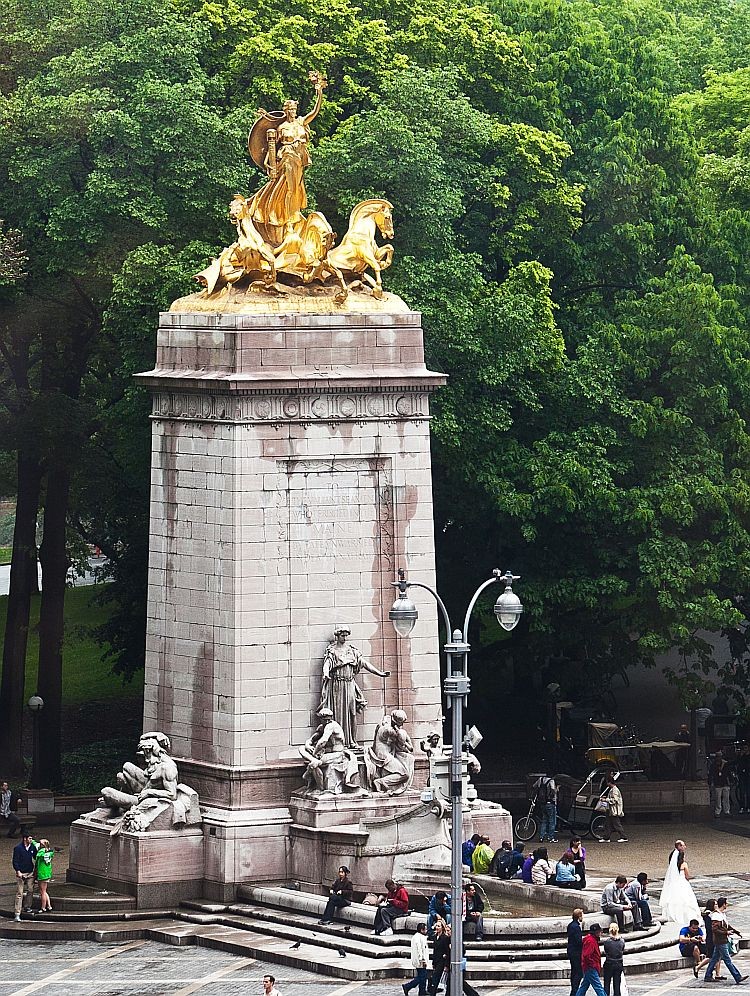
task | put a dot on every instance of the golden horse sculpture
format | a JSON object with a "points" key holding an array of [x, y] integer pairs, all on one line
{"points": [[274, 236], [248, 255], [359, 250]]}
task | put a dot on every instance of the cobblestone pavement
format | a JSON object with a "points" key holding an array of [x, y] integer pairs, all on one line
{"points": [[145, 968]]}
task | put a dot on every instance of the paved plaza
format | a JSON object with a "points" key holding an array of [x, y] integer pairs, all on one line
{"points": [[143, 968]]}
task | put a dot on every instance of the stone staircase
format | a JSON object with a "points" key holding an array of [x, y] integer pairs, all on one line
{"points": [[280, 926]]}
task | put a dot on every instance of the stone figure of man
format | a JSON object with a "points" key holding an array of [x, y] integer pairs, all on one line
{"points": [[331, 767], [340, 692]]}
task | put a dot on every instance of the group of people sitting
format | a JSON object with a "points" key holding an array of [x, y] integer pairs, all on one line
{"points": [[510, 861], [439, 912], [394, 903]]}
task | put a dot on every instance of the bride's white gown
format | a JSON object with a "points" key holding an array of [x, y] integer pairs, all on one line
{"points": [[678, 902]]}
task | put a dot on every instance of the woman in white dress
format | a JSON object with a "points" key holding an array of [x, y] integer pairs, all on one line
{"points": [[678, 902]]}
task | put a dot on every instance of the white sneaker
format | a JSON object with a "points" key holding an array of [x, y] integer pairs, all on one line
{"points": [[17, 917], [622, 840], [388, 932]]}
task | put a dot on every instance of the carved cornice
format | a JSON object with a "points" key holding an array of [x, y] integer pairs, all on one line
{"points": [[316, 406]]}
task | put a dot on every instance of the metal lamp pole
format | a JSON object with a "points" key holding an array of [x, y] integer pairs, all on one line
{"points": [[35, 704], [456, 687]]}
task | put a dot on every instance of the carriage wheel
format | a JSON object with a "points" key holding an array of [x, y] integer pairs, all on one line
{"points": [[598, 827], [526, 828]]}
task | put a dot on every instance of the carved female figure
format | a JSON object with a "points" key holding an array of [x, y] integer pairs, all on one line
{"points": [[340, 692]]}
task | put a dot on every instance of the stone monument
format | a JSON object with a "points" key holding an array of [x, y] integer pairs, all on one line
{"points": [[290, 479]]}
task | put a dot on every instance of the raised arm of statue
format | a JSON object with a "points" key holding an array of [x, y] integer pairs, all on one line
{"points": [[320, 84]]}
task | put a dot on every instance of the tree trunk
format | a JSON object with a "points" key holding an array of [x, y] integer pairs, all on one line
{"points": [[23, 583], [54, 560]]}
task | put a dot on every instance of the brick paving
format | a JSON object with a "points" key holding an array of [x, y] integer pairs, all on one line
{"points": [[145, 968]]}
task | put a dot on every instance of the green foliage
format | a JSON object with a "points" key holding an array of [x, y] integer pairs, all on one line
{"points": [[571, 195]]}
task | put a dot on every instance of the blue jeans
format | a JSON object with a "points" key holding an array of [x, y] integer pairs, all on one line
{"points": [[645, 911], [591, 978], [419, 980], [721, 951], [548, 829]]}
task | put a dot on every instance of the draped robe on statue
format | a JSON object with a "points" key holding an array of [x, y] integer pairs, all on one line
{"points": [[341, 693]]}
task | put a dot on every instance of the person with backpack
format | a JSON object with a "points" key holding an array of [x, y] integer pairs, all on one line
{"points": [[546, 797]]}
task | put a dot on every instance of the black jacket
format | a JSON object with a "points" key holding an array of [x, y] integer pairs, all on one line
{"points": [[441, 952], [344, 886], [575, 939]]}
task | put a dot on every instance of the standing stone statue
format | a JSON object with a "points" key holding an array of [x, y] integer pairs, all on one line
{"points": [[340, 692], [331, 767], [390, 758], [145, 794]]}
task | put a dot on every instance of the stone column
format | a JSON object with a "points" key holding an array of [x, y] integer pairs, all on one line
{"points": [[290, 480]]}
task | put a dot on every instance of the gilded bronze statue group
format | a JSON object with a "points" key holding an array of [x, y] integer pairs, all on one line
{"points": [[274, 234]]}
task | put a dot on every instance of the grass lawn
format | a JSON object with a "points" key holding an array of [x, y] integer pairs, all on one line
{"points": [[5, 552], [86, 677]]}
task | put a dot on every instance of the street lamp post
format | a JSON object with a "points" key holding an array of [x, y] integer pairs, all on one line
{"points": [[35, 704], [456, 686]]}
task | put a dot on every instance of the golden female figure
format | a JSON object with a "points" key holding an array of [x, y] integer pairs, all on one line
{"points": [[283, 139]]}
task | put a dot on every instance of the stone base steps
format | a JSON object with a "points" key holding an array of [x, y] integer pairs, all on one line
{"points": [[283, 930]]}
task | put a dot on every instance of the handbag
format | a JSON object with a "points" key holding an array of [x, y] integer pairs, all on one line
{"points": [[624, 991], [602, 805], [734, 945]]}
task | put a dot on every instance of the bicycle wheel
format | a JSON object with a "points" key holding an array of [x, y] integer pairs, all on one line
{"points": [[526, 828], [598, 827]]}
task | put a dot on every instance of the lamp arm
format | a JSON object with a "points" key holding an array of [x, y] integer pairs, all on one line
{"points": [[441, 603], [495, 578]]}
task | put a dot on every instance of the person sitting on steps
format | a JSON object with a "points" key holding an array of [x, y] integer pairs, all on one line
{"points": [[339, 895]]}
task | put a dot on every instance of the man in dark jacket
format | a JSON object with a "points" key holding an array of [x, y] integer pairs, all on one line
{"points": [[474, 911], [575, 946], [24, 856]]}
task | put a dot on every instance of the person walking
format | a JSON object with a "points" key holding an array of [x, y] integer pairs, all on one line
{"points": [[591, 963], [8, 803], [441, 955], [721, 930], [677, 899], [393, 905], [419, 955], [615, 812], [24, 857], [614, 948], [339, 895], [43, 872], [709, 935], [574, 948]]}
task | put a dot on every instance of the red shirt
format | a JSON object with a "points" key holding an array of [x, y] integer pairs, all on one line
{"points": [[590, 956], [399, 898]]}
